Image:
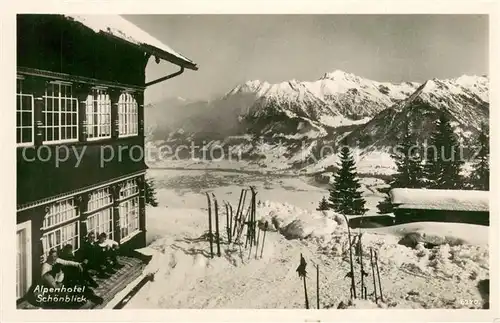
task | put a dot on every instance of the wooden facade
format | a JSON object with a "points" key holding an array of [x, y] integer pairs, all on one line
{"points": [[416, 215], [80, 139]]}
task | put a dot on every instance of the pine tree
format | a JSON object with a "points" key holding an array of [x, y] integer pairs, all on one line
{"points": [[443, 160], [480, 176], [385, 206], [410, 173], [323, 205], [150, 193], [345, 194]]}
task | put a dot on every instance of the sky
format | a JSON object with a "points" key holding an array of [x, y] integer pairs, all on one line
{"points": [[232, 49]]}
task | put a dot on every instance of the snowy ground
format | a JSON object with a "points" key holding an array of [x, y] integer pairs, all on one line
{"points": [[445, 276]]}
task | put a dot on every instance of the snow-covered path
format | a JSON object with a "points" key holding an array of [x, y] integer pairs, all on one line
{"points": [[443, 277]]}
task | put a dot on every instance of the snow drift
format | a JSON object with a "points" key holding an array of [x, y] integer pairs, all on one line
{"points": [[454, 200]]}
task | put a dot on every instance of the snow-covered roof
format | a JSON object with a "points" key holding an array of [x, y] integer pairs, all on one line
{"points": [[446, 200], [119, 27]]}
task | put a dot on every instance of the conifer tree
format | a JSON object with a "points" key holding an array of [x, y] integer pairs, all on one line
{"points": [[323, 205], [150, 193], [345, 194], [385, 206], [410, 172], [408, 161], [480, 176], [444, 159]]}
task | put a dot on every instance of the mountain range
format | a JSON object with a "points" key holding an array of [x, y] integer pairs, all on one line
{"points": [[367, 114]]}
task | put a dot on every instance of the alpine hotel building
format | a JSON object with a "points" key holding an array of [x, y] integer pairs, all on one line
{"points": [[80, 132]]}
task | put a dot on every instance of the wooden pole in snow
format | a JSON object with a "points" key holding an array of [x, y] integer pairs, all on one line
{"points": [[228, 224], [231, 224], [238, 212], [210, 226], [305, 293], [360, 257], [353, 281], [266, 225], [216, 206], [254, 213], [378, 275], [373, 275], [301, 270], [317, 287], [240, 218], [257, 244]]}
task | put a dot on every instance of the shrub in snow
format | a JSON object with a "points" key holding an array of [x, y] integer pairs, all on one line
{"points": [[411, 240], [295, 230], [338, 218]]}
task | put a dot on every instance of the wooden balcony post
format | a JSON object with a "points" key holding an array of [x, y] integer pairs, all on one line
{"points": [[114, 96], [82, 92], [115, 192], [81, 203], [139, 97], [141, 183]]}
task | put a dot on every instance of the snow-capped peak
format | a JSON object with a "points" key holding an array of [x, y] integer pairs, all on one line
{"points": [[252, 86], [337, 74]]}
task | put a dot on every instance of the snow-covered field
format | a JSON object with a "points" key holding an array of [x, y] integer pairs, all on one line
{"points": [[445, 276]]}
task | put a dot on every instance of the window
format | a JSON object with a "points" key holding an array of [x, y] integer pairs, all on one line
{"points": [[60, 212], [129, 208], [127, 115], [60, 113], [59, 216], [129, 217], [101, 221], [63, 235], [98, 112], [24, 116], [129, 188]]}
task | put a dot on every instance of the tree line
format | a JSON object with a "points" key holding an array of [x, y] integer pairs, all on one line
{"points": [[434, 165]]}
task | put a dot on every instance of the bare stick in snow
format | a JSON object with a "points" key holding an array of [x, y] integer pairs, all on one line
{"points": [[228, 224], [243, 223], [363, 273], [353, 281], [378, 275], [317, 286], [257, 244], [266, 225], [254, 212], [301, 270], [210, 226], [238, 211], [216, 207], [240, 216], [373, 275]]}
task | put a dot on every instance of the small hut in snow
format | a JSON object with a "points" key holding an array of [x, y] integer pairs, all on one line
{"points": [[461, 206]]}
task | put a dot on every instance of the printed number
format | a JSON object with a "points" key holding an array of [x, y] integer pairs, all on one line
{"points": [[469, 302]]}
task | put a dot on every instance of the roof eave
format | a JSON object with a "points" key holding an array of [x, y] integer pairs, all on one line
{"points": [[154, 51], [167, 57]]}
